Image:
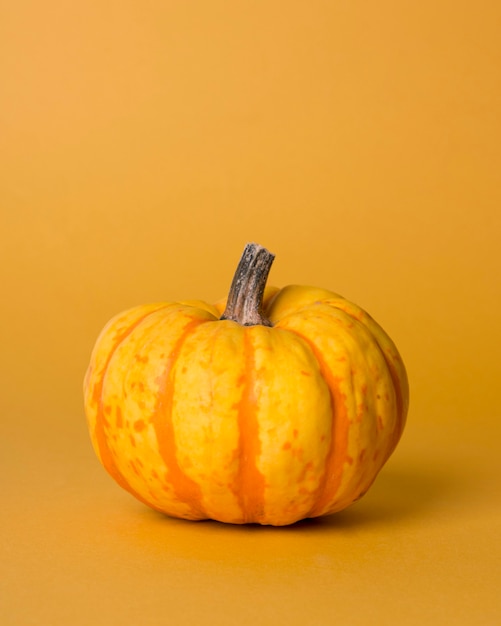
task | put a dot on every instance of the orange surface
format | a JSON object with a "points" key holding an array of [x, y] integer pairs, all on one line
{"points": [[142, 144]]}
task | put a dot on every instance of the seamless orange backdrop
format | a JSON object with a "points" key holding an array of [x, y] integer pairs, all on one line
{"points": [[141, 146]]}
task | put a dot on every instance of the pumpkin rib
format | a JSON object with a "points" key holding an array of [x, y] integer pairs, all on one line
{"points": [[338, 449], [185, 488], [396, 382], [390, 354], [399, 398], [250, 483], [105, 453]]}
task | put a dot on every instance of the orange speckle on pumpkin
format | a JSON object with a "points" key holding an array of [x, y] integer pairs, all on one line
{"points": [[380, 423], [107, 409], [307, 468], [295, 433], [141, 359], [361, 407], [139, 426], [287, 445], [134, 468], [132, 440], [119, 417]]}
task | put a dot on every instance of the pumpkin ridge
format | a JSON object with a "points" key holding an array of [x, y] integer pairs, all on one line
{"points": [[399, 398], [185, 488], [250, 483], [105, 452], [399, 379], [337, 454]]}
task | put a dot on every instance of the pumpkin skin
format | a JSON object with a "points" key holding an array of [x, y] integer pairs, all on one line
{"points": [[204, 418]]}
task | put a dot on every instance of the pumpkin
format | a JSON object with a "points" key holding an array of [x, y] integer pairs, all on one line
{"points": [[271, 407]]}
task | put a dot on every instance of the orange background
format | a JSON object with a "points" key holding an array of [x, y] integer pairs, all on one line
{"points": [[141, 146]]}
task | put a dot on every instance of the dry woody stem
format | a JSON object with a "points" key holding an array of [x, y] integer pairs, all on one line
{"points": [[245, 300]]}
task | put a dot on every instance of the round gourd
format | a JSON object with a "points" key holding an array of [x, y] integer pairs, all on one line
{"points": [[275, 406]]}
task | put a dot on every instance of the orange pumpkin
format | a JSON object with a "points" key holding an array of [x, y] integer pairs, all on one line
{"points": [[284, 407]]}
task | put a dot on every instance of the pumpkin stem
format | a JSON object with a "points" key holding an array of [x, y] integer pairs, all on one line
{"points": [[245, 300]]}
